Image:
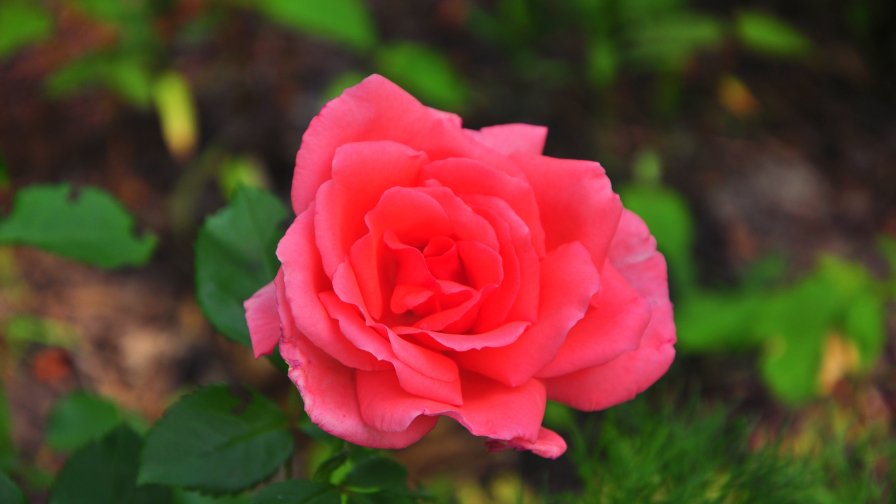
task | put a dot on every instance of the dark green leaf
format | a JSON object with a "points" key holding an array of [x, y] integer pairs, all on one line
{"points": [[769, 35], [297, 492], [105, 471], [22, 23], [7, 450], [9, 491], [377, 472], [215, 442], [324, 472], [424, 73], [190, 497], [125, 75], [235, 257], [344, 21], [92, 227], [79, 418], [668, 42]]}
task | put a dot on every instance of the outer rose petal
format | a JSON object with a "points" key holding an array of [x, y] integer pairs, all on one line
{"points": [[377, 109], [328, 391], [513, 138], [576, 202], [549, 444], [633, 253], [263, 320], [490, 409]]}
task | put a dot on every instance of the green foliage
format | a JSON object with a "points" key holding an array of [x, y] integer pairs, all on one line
{"points": [[216, 442], [7, 450], [344, 21], [22, 330], [80, 417], [189, 497], [424, 72], [768, 35], [90, 226], [9, 491], [127, 77], [21, 23], [298, 492], [235, 257], [106, 471]]}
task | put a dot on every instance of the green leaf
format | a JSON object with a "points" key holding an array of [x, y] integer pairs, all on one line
{"points": [[124, 74], [177, 113], [668, 42], [79, 418], [190, 497], [669, 219], [769, 35], [7, 449], [424, 73], [864, 323], [9, 491], [716, 321], [343, 21], [217, 443], [298, 492], [22, 23], [377, 472], [235, 257], [105, 471], [91, 226], [22, 330]]}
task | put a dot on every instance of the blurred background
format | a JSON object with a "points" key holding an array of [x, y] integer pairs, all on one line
{"points": [[756, 138]]}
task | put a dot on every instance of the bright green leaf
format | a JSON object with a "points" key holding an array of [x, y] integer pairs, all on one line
{"points": [[425, 73], [217, 443], [235, 257], [298, 492], [9, 491], [343, 21], [769, 35], [90, 226], [865, 325], [22, 330], [105, 471], [79, 418], [717, 321], [22, 23]]}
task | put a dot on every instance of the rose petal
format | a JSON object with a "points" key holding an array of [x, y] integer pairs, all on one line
{"points": [[263, 320], [614, 325], [362, 172], [500, 336], [549, 444], [329, 393], [304, 278], [513, 138], [575, 200], [624, 377], [490, 409], [633, 252], [377, 109], [568, 281], [473, 177]]}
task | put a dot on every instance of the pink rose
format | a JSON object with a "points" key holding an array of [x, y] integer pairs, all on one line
{"points": [[434, 270]]}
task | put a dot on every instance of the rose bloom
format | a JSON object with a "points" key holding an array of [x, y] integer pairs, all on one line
{"points": [[433, 271]]}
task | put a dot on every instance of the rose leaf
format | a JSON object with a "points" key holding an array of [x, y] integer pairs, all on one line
{"points": [[215, 442], [106, 471], [9, 492], [299, 492], [91, 227], [235, 257]]}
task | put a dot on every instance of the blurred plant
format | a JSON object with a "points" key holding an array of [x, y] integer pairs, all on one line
{"points": [[811, 332]]}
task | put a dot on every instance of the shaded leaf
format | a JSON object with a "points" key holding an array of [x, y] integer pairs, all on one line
{"points": [[769, 35], [105, 471], [79, 418], [215, 442], [91, 227], [7, 450], [344, 21], [424, 73], [123, 74], [190, 497], [9, 491], [235, 257], [298, 492], [377, 472]]}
